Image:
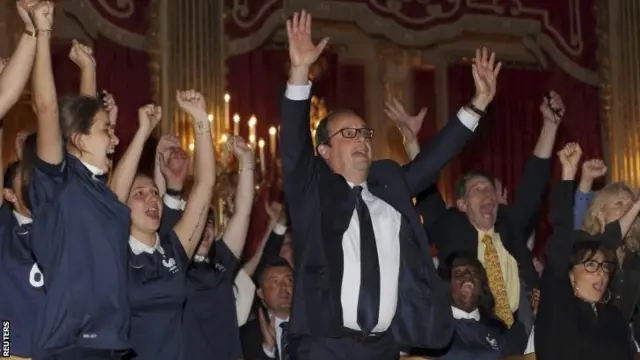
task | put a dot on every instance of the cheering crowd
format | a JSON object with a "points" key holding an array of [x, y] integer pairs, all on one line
{"points": [[103, 261]]}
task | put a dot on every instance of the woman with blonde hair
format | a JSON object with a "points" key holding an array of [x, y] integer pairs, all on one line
{"points": [[593, 212]]}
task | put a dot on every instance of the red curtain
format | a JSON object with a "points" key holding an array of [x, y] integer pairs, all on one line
{"points": [[506, 137]]}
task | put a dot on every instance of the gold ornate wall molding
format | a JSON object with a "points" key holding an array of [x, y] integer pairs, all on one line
{"points": [[539, 36], [619, 56], [94, 23]]}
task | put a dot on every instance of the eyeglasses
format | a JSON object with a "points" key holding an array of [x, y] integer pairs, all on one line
{"points": [[592, 266], [351, 133]]}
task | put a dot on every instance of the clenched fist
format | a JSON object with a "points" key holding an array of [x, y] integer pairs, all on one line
{"points": [[193, 103]]}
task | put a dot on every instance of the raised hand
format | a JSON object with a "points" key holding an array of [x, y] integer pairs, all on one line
{"points": [[163, 149], [148, 117], [110, 106], [485, 74], [174, 167], [275, 212], [569, 157], [41, 14], [302, 52], [82, 55], [408, 125], [242, 151], [23, 10], [593, 169], [552, 108], [193, 103], [501, 191]]}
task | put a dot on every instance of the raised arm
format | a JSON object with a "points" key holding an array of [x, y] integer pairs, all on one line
{"points": [[82, 56], [148, 117], [170, 173], [189, 228], [591, 170], [235, 234], [560, 243], [424, 169], [16, 71], [298, 161], [49, 142]]}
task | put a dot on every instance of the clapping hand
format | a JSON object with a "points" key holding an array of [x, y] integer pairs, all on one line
{"points": [[193, 103], [41, 14], [408, 125], [485, 74], [552, 108], [148, 117], [268, 329], [82, 55], [569, 157], [302, 51]]}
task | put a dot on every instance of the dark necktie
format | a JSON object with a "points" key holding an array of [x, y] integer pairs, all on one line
{"points": [[369, 296], [284, 340]]}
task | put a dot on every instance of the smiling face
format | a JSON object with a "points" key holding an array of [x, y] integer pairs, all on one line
{"points": [[479, 202], [589, 278], [145, 204], [466, 284], [346, 155], [100, 143]]}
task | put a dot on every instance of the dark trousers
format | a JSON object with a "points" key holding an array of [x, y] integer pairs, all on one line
{"points": [[314, 348]]}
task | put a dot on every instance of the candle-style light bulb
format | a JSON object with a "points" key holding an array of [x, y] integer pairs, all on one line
{"points": [[227, 97], [236, 118], [252, 138], [261, 143], [192, 146], [210, 117], [252, 121], [272, 130]]}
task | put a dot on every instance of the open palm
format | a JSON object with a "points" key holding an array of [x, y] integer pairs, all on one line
{"points": [[302, 51]]}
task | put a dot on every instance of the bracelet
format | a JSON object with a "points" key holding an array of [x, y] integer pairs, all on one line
{"points": [[477, 111], [45, 32], [173, 192]]}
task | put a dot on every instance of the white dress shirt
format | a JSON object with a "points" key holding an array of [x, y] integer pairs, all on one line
{"points": [[21, 219], [271, 353], [244, 291], [461, 314], [386, 227]]}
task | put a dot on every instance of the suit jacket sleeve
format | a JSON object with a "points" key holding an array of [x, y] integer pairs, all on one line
{"points": [[433, 209], [422, 172], [297, 153], [580, 206], [530, 192]]}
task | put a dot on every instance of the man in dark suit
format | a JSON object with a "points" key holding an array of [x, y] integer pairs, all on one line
{"points": [[352, 217], [266, 337], [479, 224]]}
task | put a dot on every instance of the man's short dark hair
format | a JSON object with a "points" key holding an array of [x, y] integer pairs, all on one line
{"points": [[274, 262], [462, 182], [322, 130]]}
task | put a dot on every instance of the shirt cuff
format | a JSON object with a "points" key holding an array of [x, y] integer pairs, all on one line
{"points": [[173, 202], [279, 229], [468, 119], [583, 195], [271, 354], [298, 92]]}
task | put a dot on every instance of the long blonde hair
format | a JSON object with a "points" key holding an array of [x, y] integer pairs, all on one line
{"points": [[593, 223]]}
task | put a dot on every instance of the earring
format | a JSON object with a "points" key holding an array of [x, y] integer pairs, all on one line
{"points": [[602, 301]]}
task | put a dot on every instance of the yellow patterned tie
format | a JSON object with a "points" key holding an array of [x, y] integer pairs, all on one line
{"points": [[496, 281]]}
